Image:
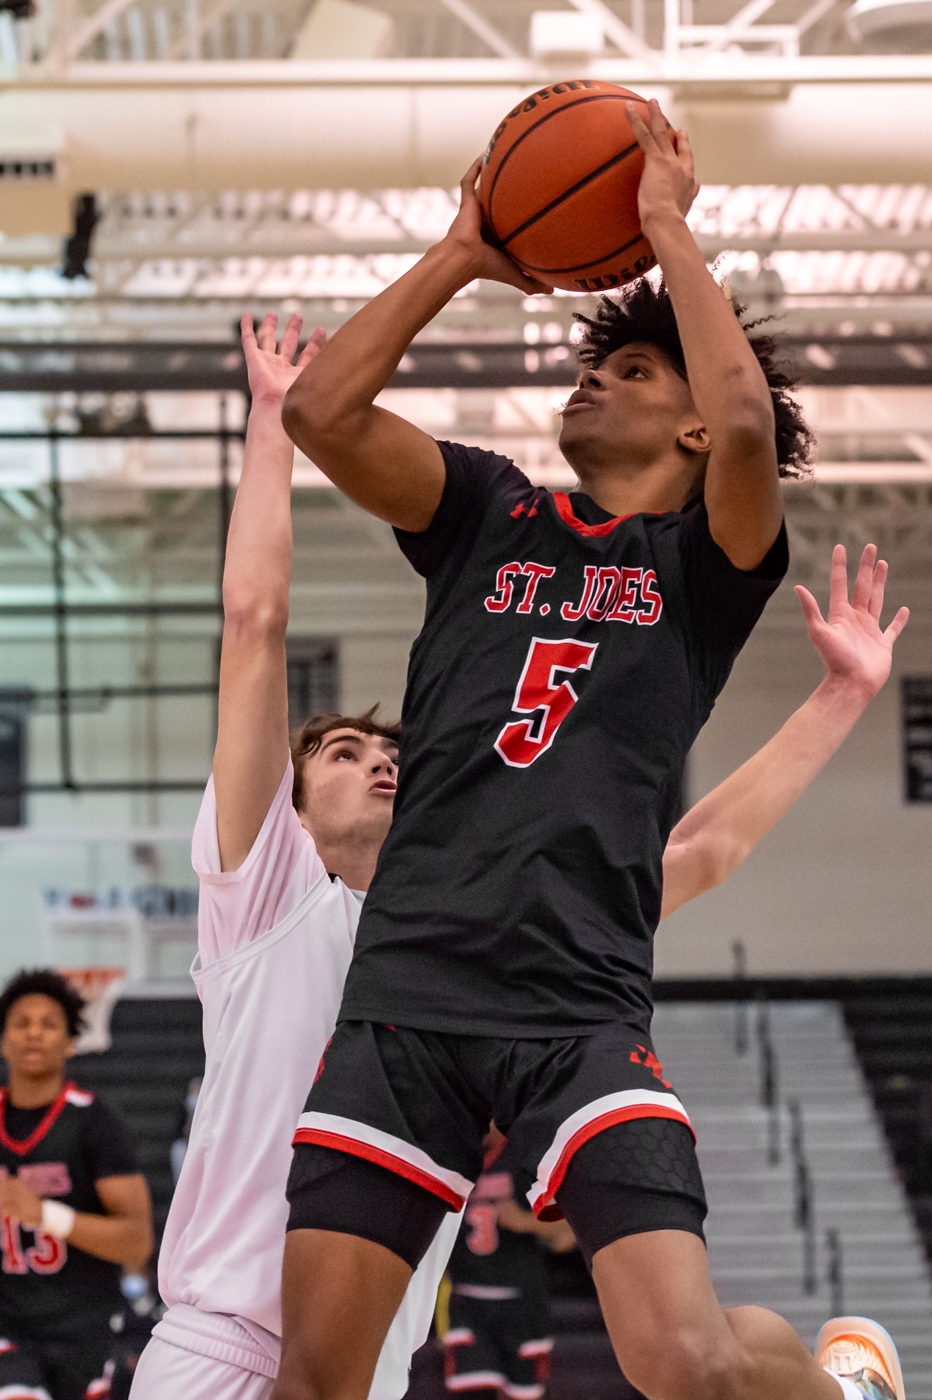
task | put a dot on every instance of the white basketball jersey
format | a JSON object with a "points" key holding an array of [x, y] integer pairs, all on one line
{"points": [[270, 997]]}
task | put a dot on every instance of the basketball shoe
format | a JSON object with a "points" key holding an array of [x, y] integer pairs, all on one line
{"points": [[861, 1351]]}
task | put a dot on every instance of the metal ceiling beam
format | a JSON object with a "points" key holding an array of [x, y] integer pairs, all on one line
{"points": [[170, 365], [748, 70], [266, 240], [477, 24]]}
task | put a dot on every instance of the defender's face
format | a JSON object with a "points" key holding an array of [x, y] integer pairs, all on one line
{"points": [[349, 787], [633, 408], [35, 1039]]}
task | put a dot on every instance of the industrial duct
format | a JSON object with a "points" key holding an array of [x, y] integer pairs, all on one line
{"points": [[150, 133]]}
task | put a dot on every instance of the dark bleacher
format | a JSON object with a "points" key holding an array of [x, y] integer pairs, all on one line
{"points": [[893, 1037], [157, 1048]]}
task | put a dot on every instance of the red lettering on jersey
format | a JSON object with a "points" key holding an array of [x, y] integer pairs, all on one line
{"points": [[521, 742], [608, 585], [47, 1255], [521, 509], [14, 1260], [501, 599], [534, 572], [482, 1227], [571, 614], [627, 598], [650, 593], [46, 1178]]}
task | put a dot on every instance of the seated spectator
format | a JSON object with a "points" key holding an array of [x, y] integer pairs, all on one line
{"points": [[74, 1206]]}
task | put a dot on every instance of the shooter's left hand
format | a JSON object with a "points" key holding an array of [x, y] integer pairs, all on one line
{"points": [[668, 185], [854, 649]]}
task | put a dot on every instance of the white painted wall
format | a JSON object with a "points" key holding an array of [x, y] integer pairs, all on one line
{"points": [[844, 884]]}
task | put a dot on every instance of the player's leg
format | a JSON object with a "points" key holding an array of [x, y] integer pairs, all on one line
{"points": [[339, 1295], [472, 1360], [381, 1156], [673, 1340], [21, 1376], [167, 1372], [525, 1329], [412, 1323]]}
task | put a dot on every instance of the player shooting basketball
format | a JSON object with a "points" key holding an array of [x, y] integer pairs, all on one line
{"points": [[572, 648]]}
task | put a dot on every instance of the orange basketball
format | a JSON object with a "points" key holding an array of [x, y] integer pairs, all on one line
{"points": [[559, 187]]}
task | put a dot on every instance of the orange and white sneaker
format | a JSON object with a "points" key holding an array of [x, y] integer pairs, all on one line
{"points": [[862, 1351]]}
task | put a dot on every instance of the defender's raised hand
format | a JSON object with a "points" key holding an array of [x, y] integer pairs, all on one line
{"points": [[668, 185], [485, 261], [850, 640], [271, 373]]}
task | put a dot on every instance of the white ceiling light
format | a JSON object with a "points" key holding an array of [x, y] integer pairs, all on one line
{"points": [[565, 35]]}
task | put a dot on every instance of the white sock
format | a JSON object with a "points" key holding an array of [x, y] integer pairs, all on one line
{"points": [[849, 1389]]}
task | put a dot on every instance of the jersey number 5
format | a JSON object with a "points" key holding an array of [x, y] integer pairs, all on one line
{"points": [[524, 740]]}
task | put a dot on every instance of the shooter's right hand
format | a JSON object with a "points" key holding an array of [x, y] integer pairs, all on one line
{"points": [[465, 234]]}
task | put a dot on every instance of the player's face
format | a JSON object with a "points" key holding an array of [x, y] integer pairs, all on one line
{"points": [[632, 410], [349, 787], [35, 1039]]}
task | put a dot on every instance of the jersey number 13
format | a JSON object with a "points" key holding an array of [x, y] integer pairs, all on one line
{"points": [[524, 740]]}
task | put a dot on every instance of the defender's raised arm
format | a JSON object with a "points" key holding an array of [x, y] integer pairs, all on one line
{"points": [[714, 837], [252, 733]]}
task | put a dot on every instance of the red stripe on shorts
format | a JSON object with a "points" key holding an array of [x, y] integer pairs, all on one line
{"points": [[590, 1130], [382, 1159]]}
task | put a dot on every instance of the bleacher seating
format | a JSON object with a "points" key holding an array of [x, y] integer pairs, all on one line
{"points": [[157, 1049], [892, 1033]]}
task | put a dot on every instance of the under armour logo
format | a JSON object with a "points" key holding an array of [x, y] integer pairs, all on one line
{"points": [[650, 1062], [521, 509]]}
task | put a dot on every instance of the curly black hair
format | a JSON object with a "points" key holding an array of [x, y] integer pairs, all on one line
{"points": [[644, 312], [43, 981]]}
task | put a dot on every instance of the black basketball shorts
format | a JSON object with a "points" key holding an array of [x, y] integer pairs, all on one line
{"points": [[497, 1344], [419, 1103], [65, 1364]]}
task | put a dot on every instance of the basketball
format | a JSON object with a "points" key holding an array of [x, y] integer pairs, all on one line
{"points": [[559, 187]]}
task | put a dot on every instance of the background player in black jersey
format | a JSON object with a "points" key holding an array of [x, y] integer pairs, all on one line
{"points": [[497, 1333], [74, 1205], [572, 648]]}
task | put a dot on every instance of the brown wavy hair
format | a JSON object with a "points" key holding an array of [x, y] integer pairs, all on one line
{"points": [[307, 739]]}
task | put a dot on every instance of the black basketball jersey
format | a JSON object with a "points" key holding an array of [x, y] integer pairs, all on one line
{"points": [[60, 1151], [566, 663], [489, 1261]]}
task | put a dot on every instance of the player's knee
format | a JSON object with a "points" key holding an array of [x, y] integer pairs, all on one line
{"points": [[688, 1365]]}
